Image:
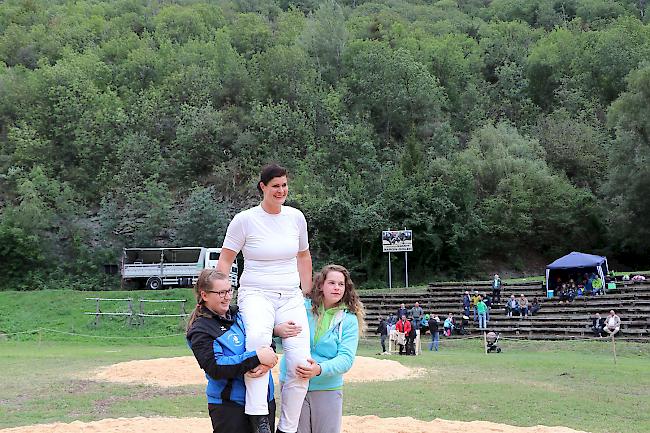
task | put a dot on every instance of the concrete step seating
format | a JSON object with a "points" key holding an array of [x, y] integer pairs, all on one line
{"points": [[555, 320]]}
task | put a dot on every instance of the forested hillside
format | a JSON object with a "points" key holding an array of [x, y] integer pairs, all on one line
{"points": [[503, 128]]}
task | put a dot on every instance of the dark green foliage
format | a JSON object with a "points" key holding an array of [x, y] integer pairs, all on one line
{"points": [[479, 125], [20, 255]]}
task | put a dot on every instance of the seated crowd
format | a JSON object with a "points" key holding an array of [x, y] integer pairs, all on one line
{"points": [[609, 325], [576, 286], [520, 306]]}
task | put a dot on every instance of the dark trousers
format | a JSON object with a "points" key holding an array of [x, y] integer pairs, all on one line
{"points": [[383, 342], [496, 295], [229, 417]]}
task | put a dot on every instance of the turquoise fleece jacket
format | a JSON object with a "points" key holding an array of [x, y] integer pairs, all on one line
{"points": [[335, 351]]}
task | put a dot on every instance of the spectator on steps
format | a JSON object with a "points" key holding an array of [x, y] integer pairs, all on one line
{"points": [[449, 324], [534, 307], [391, 321], [598, 286], [417, 313], [523, 306], [597, 325], [496, 289], [475, 298], [612, 323], [481, 310], [488, 303], [402, 311], [571, 291], [563, 294], [466, 303], [512, 306]]}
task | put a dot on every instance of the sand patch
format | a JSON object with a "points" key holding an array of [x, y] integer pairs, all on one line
{"points": [[184, 370], [351, 424]]}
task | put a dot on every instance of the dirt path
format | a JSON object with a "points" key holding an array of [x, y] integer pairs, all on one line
{"points": [[351, 424]]}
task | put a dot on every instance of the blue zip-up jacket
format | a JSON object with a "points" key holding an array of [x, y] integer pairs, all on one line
{"points": [[335, 351], [219, 347]]}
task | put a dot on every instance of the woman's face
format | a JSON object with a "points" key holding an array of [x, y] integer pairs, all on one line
{"points": [[218, 297], [275, 192], [333, 288]]}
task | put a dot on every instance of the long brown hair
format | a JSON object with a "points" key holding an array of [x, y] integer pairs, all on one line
{"points": [[204, 284], [350, 298]]}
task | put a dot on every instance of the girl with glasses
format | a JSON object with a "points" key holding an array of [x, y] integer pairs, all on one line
{"points": [[216, 335]]}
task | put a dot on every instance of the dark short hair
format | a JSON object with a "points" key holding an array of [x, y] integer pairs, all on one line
{"points": [[269, 172]]}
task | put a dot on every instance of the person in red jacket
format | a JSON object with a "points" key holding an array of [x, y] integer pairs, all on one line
{"points": [[403, 327]]}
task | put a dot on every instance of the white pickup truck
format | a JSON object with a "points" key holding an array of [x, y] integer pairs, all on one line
{"points": [[155, 268]]}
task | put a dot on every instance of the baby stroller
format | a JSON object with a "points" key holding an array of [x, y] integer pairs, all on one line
{"points": [[492, 338]]}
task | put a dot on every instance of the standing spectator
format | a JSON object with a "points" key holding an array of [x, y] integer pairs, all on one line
{"points": [[512, 306], [523, 306], [466, 303], [417, 313], [382, 330], [597, 325], [402, 311], [488, 303], [403, 327], [410, 338], [392, 320], [534, 308], [481, 310], [496, 289], [424, 325], [449, 324], [434, 322], [475, 298], [612, 323]]}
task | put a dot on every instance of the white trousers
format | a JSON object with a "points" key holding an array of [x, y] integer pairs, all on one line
{"points": [[261, 311]]}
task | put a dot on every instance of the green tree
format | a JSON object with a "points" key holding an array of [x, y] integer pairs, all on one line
{"points": [[398, 92], [628, 182], [204, 220]]}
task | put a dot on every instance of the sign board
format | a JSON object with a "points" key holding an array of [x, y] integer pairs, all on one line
{"points": [[395, 241]]}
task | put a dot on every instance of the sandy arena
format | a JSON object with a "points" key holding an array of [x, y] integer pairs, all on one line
{"points": [[184, 371]]}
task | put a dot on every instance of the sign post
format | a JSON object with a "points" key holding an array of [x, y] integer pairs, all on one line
{"points": [[390, 274], [397, 241]]}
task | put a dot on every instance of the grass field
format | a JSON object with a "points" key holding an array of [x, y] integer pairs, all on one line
{"points": [[45, 375], [574, 384]]}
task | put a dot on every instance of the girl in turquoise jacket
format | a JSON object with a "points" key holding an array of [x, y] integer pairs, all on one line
{"points": [[336, 317]]}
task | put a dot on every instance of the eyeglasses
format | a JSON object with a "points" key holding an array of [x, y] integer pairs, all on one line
{"points": [[221, 293]]}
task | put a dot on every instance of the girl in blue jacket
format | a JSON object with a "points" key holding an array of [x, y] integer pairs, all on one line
{"points": [[336, 316], [216, 335]]}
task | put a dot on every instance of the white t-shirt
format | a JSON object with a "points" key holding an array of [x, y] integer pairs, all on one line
{"points": [[269, 243]]}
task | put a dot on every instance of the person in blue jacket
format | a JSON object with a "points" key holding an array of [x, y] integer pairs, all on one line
{"points": [[336, 316], [216, 335]]}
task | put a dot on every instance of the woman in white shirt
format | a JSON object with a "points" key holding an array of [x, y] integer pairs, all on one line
{"points": [[277, 264]]}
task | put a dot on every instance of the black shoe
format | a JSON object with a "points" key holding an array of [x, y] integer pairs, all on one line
{"points": [[260, 423]]}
